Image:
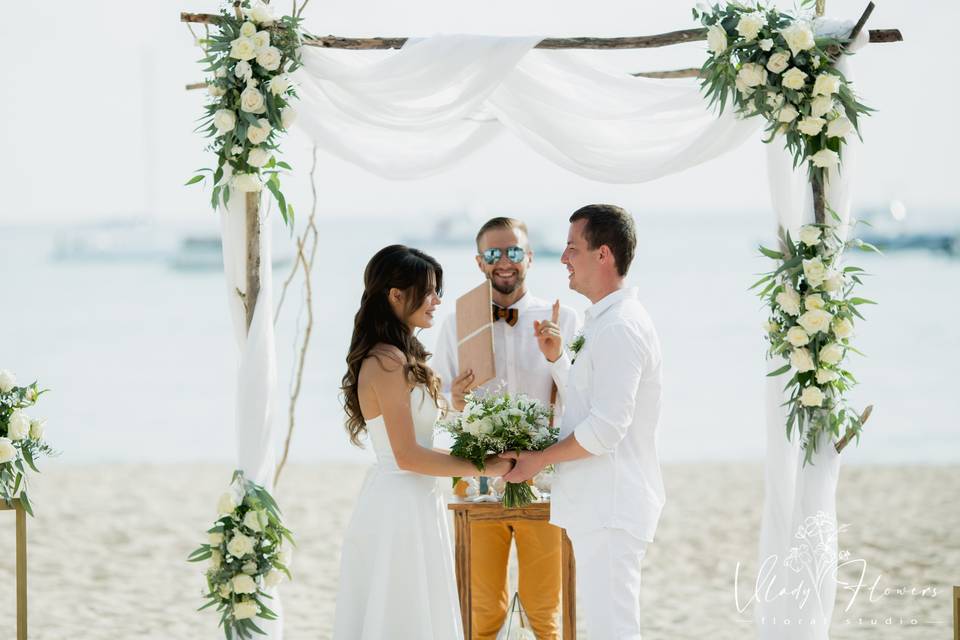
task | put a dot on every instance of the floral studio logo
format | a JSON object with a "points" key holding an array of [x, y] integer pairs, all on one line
{"points": [[813, 583]]}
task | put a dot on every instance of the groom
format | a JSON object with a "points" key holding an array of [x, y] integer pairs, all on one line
{"points": [[608, 492]]}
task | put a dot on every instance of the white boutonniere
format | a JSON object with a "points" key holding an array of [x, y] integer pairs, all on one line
{"points": [[576, 346]]}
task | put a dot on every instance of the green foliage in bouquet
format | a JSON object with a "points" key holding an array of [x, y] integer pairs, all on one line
{"points": [[491, 424], [247, 554], [21, 439]]}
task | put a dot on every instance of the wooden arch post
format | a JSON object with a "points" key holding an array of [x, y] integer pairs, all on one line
{"points": [[21, 551]]}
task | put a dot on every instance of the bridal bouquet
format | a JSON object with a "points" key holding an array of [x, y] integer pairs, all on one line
{"points": [[247, 554], [21, 439], [491, 424]]}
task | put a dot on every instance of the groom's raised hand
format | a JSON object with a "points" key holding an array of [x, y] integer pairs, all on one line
{"points": [[526, 464], [548, 335]]}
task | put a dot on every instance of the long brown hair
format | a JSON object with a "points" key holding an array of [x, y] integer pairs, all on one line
{"points": [[415, 273]]}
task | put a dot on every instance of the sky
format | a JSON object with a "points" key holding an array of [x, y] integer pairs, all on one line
{"points": [[95, 121]]}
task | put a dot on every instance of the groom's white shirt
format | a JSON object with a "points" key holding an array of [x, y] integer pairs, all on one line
{"points": [[612, 405]]}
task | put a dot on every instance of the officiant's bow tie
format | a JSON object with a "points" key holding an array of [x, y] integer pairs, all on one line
{"points": [[510, 315]]}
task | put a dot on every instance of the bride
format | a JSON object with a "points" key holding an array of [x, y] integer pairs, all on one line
{"points": [[396, 569]]}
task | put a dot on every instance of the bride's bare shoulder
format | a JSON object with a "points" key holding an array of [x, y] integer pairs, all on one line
{"points": [[383, 359]]}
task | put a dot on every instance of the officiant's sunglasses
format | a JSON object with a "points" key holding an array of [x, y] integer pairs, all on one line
{"points": [[514, 254]]}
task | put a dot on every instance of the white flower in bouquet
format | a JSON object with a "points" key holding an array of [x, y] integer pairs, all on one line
{"points": [[8, 452], [789, 301], [801, 360], [811, 126], [842, 328], [716, 39], [261, 14], [226, 505], [814, 301], [797, 336], [225, 590], [811, 397], [775, 100], [814, 271], [251, 100], [815, 321], [37, 429], [750, 24], [244, 609], [215, 92], [215, 538], [279, 84], [237, 150], [839, 128], [752, 74], [258, 157], [242, 583], [243, 49], [788, 114], [810, 234], [216, 559], [794, 79], [269, 58], [770, 327], [259, 133], [825, 159], [834, 281], [261, 40], [832, 353], [766, 44], [221, 72], [243, 70], [778, 62], [742, 87], [288, 116], [248, 29], [821, 106], [241, 545], [826, 375], [31, 394], [252, 521], [273, 578], [799, 36], [18, 427], [826, 84], [224, 120]]}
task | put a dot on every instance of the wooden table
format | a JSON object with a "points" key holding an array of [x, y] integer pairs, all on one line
{"points": [[466, 512], [15, 505]]}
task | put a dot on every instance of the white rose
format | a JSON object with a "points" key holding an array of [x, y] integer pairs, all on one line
{"points": [[832, 353], [750, 24], [269, 58], [825, 158], [810, 234], [215, 538], [18, 427], [716, 39], [224, 590], [237, 150], [814, 271], [31, 394], [775, 100], [797, 337], [242, 583], [251, 101], [240, 545], [814, 301], [788, 114], [252, 521], [259, 133], [789, 301], [799, 37], [793, 78], [243, 49], [224, 120], [279, 84], [248, 29], [821, 106], [8, 452], [243, 70], [215, 92], [244, 609], [815, 321], [839, 128], [246, 182], [834, 281], [37, 429], [770, 327], [485, 426], [287, 117], [221, 72], [826, 84], [811, 126], [261, 40], [801, 360], [258, 157], [752, 74], [811, 397], [825, 375], [743, 88], [843, 328], [766, 44], [273, 578], [778, 62], [216, 559], [261, 14], [226, 505]]}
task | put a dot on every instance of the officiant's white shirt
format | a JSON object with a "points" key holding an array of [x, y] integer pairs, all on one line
{"points": [[612, 405]]}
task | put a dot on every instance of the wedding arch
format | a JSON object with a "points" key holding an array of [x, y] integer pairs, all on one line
{"points": [[438, 99]]}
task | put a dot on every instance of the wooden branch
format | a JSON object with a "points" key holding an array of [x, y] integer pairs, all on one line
{"points": [[819, 199], [673, 73], [848, 436], [253, 255]]}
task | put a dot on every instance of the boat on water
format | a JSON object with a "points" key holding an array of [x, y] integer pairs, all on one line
{"points": [[205, 253]]}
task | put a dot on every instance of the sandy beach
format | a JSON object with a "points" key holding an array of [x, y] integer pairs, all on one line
{"points": [[107, 550]]}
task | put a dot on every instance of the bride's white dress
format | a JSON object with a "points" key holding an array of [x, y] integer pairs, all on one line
{"points": [[397, 578]]}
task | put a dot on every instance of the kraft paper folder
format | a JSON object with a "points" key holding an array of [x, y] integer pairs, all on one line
{"points": [[475, 333]]}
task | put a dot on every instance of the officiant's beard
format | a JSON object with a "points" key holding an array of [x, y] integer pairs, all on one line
{"points": [[507, 289]]}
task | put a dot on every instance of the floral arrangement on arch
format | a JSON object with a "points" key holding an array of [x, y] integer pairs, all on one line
{"points": [[812, 311], [772, 64], [250, 58], [248, 550], [21, 438]]}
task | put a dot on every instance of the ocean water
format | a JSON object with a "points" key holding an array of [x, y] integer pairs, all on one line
{"points": [[140, 361]]}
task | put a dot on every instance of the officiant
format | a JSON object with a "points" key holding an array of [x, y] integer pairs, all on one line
{"points": [[504, 256]]}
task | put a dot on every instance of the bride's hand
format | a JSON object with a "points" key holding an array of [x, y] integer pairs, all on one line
{"points": [[495, 466]]}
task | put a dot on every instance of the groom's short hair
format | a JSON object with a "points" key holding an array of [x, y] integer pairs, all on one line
{"points": [[609, 225], [502, 223]]}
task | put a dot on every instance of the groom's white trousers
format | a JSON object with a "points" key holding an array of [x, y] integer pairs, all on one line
{"points": [[608, 582]]}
